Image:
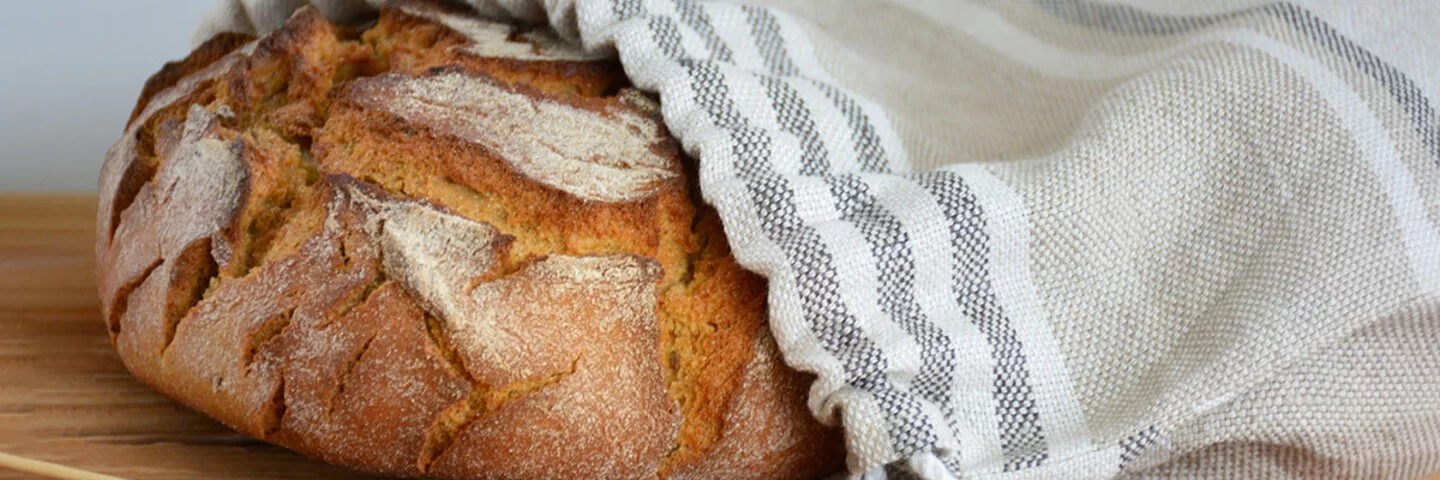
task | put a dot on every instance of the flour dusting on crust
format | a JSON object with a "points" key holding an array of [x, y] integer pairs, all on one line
{"points": [[433, 253], [492, 39], [600, 156], [593, 320], [438, 256], [122, 155], [543, 320], [161, 240], [194, 194], [200, 184]]}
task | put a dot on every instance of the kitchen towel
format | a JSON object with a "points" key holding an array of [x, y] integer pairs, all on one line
{"points": [[1066, 238]]}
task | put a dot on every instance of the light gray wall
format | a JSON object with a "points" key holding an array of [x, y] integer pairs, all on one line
{"points": [[70, 72]]}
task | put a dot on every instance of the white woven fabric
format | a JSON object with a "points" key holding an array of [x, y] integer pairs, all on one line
{"points": [[1067, 238]]}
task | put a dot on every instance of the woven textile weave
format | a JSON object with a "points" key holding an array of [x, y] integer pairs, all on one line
{"points": [[1067, 238]]}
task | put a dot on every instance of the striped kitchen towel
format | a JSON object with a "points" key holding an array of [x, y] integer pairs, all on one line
{"points": [[1067, 238]]}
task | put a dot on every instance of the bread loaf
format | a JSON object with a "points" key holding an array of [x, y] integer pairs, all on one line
{"points": [[440, 246]]}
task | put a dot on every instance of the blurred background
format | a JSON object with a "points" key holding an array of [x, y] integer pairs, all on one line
{"points": [[73, 69], [71, 75]]}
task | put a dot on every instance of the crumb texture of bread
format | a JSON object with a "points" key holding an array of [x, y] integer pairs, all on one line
{"points": [[439, 246]]}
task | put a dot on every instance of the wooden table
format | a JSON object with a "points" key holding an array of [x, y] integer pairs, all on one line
{"points": [[64, 395]]}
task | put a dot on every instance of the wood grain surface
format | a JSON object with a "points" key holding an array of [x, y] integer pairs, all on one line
{"points": [[64, 395]]}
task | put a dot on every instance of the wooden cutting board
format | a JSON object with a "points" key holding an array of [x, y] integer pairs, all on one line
{"points": [[64, 395]]}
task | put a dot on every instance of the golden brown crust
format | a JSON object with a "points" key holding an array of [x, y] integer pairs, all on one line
{"points": [[213, 49], [768, 432], [441, 247]]}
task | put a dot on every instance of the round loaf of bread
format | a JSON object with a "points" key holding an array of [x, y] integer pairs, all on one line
{"points": [[436, 245]]}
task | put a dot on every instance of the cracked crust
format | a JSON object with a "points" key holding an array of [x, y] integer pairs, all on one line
{"points": [[439, 247]]}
